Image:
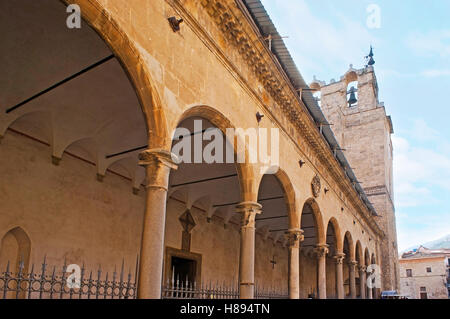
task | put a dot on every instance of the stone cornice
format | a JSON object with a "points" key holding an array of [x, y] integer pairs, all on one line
{"points": [[240, 33]]}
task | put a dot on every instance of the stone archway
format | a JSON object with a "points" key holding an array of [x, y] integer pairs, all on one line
{"points": [[313, 250], [349, 266], [219, 193], [279, 222], [15, 248], [334, 260]]}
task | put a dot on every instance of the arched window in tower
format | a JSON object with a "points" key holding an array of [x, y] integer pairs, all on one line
{"points": [[352, 94]]}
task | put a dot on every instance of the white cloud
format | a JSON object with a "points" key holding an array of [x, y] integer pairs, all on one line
{"points": [[436, 73], [420, 171]]}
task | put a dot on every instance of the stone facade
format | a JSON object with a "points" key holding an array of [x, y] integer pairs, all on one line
{"points": [[364, 132], [67, 194], [428, 278]]}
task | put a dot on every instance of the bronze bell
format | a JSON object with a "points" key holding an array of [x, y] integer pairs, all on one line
{"points": [[352, 100]]}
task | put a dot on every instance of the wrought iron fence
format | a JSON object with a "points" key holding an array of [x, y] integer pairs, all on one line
{"points": [[53, 283], [183, 289], [50, 283], [262, 292]]}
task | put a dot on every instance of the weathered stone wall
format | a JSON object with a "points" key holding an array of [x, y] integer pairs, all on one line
{"points": [[64, 210], [434, 282]]}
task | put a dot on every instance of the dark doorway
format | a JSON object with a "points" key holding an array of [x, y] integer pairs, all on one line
{"points": [[184, 269]]}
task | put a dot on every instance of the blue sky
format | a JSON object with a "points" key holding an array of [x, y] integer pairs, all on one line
{"points": [[412, 54]]}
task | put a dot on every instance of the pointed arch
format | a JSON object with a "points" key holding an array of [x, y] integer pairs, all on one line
{"points": [[351, 249], [247, 181], [318, 220], [337, 233], [359, 253], [289, 193]]}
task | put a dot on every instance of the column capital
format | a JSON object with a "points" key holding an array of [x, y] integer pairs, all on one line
{"points": [[158, 163], [352, 263], [321, 250], [158, 156], [339, 258], [249, 210], [294, 237]]}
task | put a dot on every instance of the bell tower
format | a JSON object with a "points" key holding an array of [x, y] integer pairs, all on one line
{"points": [[363, 130]]}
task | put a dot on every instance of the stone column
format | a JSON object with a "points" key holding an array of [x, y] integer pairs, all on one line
{"points": [[294, 237], [352, 278], [158, 164], [249, 210], [340, 275], [321, 251], [362, 281]]}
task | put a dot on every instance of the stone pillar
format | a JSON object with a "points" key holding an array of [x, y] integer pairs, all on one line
{"points": [[362, 281], [321, 251], [249, 210], [352, 278], [339, 258], [294, 237], [158, 164]]}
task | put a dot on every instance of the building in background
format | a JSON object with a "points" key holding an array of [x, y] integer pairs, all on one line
{"points": [[424, 273]]}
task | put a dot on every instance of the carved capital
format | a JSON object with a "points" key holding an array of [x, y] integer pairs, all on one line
{"points": [[158, 163], [158, 157], [339, 258], [294, 237], [249, 210], [321, 250]]}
